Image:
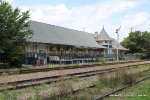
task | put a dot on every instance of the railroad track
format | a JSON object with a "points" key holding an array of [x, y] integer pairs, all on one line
{"points": [[48, 80], [121, 88], [107, 94], [60, 68], [34, 82]]}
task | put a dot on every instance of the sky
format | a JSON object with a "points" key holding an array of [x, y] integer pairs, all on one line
{"points": [[90, 15]]}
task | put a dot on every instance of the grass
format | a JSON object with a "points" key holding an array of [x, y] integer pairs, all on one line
{"points": [[73, 65], [64, 87], [15, 69], [119, 61], [25, 67], [55, 66], [140, 91], [15, 93], [140, 67], [106, 85], [102, 87], [99, 62]]}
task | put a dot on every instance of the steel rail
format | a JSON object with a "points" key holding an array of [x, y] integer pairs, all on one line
{"points": [[122, 88], [38, 81], [106, 95]]}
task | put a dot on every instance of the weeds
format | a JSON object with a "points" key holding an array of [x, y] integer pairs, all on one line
{"points": [[14, 95], [103, 60], [75, 65], [110, 81], [37, 93], [6, 95], [75, 78], [128, 79], [98, 85], [64, 87]]}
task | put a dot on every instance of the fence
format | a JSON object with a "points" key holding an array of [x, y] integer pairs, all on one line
{"points": [[33, 58], [72, 58]]}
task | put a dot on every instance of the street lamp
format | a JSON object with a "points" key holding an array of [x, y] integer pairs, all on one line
{"points": [[117, 31]]}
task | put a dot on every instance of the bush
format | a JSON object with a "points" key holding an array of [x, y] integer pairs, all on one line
{"points": [[103, 60], [128, 79], [140, 55], [14, 57]]}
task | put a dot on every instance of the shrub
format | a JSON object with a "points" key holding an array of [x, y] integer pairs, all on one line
{"points": [[65, 87], [111, 81], [103, 60], [128, 79]]}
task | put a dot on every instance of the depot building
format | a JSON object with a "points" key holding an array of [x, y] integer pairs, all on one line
{"points": [[54, 43]]}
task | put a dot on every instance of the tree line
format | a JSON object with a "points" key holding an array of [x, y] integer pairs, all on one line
{"points": [[138, 42]]}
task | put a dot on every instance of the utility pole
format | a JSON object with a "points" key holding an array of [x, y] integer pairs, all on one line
{"points": [[117, 31]]}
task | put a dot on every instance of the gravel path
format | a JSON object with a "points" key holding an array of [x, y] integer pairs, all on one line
{"points": [[17, 77]]}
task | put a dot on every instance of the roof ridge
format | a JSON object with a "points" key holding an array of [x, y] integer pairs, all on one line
{"points": [[59, 26], [47, 33]]}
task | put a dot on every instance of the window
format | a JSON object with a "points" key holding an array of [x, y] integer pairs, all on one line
{"points": [[31, 48], [105, 45]]}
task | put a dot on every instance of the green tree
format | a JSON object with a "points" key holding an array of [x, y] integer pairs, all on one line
{"points": [[14, 31], [138, 42]]}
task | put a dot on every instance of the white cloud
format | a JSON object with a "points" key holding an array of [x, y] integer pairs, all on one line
{"points": [[91, 17], [139, 21]]}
